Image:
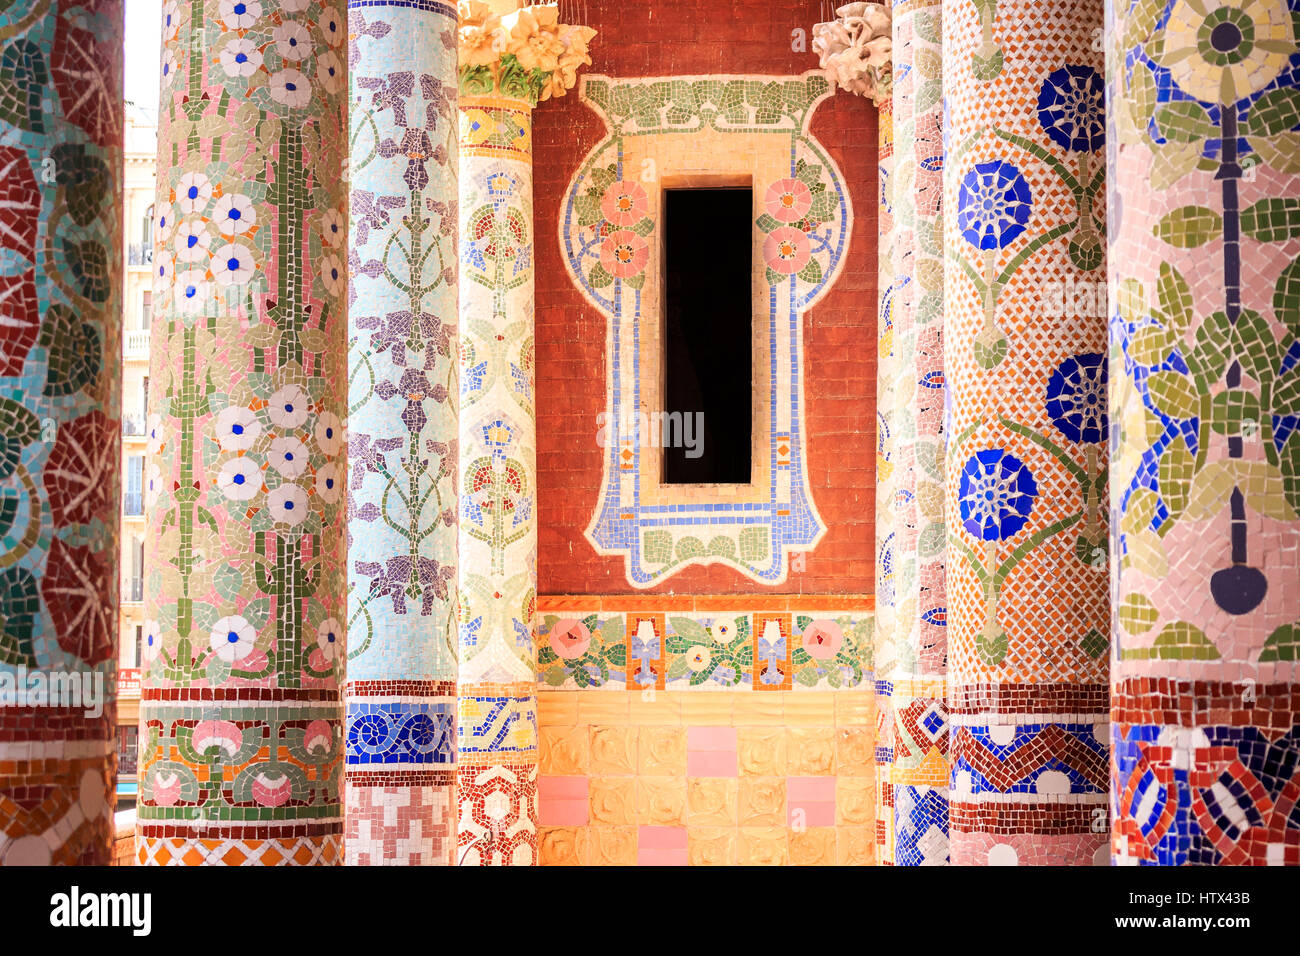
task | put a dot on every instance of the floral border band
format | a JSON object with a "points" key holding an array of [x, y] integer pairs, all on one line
{"points": [[718, 643]]}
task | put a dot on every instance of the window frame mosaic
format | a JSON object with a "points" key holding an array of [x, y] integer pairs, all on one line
{"points": [[609, 233]]}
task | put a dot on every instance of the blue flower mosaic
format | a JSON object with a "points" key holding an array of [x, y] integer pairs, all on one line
{"points": [[1076, 398], [993, 205], [1071, 108], [996, 495]]}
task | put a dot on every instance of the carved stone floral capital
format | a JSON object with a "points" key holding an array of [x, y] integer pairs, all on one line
{"points": [[526, 53], [855, 51]]}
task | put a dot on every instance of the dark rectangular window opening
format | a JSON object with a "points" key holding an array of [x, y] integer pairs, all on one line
{"points": [[708, 429]]}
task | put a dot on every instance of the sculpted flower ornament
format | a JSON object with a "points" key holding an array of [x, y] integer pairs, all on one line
{"points": [[855, 51], [527, 53]]}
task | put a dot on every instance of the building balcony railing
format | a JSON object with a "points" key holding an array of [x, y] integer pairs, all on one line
{"points": [[132, 503], [133, 591], [139, 254], [136, 343], [133, 426]]}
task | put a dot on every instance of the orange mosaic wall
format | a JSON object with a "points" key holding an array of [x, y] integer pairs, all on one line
{"points": [[706, 778]]}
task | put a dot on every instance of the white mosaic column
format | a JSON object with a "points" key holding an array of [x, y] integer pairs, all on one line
{"points": [[401, 689], [509, 61]]}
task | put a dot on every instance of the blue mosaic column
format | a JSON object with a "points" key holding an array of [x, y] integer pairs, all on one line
{"points": [[403, 396], [60, 405]]}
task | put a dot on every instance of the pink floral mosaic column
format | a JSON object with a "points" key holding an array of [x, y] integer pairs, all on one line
{"points": [[401, 689], [1024, 360], [1205, 484], [60, 404], [885, 650], [241, 714], [509, 61], [919, 769]]}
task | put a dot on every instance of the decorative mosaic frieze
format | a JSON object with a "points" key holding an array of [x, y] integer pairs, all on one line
{"points": [[755, 128], [61, 126], [1025, 369], [1205, 487], [716, 643], [241, 712], [402, 431], [855, 50]]}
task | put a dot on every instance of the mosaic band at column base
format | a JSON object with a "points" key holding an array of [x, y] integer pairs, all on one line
{"points": [[403, 396], [241, 714], [61, 127]]}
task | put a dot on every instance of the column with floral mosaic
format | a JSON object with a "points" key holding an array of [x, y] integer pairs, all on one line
{"points": [[60, 346], [919, 770], [508, 64], [241, 715], [402, 399], [884, 650], [1205, 489], [854, 53], [1024, 363]]}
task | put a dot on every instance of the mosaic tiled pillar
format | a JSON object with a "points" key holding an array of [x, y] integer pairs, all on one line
{"points": [[886, 651], [241, 712], [60, 404], [853, 51], [1205, 485], [507, 64], [403, 393], [1024, 361], [919, 771]]}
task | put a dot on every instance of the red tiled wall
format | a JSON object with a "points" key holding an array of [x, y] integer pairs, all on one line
{"points": [[678, 37]]}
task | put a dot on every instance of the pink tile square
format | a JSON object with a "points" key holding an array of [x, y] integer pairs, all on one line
{"points": [[810, 789], [562, 801], [661, 838], [561, 788], [710, 738], [814, 814], [662, 858], [713, 763]]}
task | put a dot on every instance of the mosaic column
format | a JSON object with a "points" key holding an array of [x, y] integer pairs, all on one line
{"points": [[1205, 489], [402, 398], [241, 713], [915, 396], [60, 409], [854, 54], [508, 63], [885, 651], [1024, 362]]}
